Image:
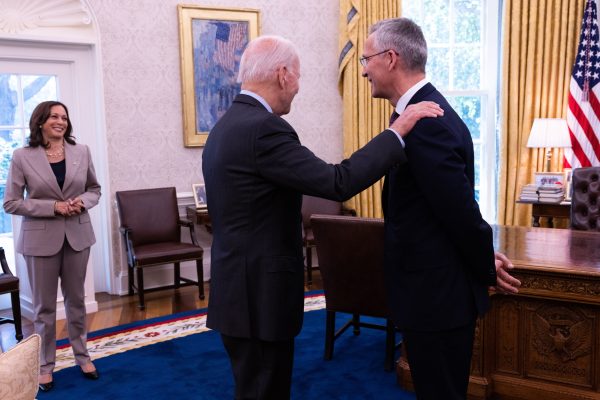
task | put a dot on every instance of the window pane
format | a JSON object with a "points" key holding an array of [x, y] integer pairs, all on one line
{"points": [[9, 110], [438, 67], [467, 68], [469, 109], [467, 21], [436, 24], [477, 149], [36, 89]]}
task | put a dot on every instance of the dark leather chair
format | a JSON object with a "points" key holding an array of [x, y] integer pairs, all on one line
{"points": [[585, 200], [151, 228], [350, 252], [10, 284], [317, 205]]}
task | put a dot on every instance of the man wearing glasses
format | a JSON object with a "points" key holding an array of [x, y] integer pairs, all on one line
{"points": [[439, 255]]}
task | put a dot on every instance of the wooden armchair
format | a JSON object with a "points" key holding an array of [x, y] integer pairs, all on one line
{"points": [[151, 229], [350, 252], [316, 205], [10, 284]]}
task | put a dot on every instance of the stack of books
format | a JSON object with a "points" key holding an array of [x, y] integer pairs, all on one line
{"points": [[551, 194], [529, 193]]}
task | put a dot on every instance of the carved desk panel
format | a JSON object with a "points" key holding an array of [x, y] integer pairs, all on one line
{"points": [[543, 343]]}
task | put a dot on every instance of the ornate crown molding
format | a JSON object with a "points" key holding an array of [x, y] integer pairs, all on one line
{"points": [[18, 16]]}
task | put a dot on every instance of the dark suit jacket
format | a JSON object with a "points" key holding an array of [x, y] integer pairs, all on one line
{"points": [[439, 256], [255, 171]]}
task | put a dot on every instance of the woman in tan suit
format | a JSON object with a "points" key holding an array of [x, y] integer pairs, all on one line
{"points": [[56, 233]]}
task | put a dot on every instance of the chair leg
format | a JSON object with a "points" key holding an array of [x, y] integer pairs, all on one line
{"points": [[308, 265], [356, 324], [329, 335], [16, 309], [140, 287], [390, 345], [176, 276], [200, 272], [130, 276]]}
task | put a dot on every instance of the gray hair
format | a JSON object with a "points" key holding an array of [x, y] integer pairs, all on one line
{"points": [[264, 55], [405, 37]]}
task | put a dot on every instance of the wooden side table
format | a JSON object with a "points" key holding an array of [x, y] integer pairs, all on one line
{"points": [[548, 210], [199, 216]]}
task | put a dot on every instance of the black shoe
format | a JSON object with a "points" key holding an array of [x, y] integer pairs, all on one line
{"points": [[46, 387], [91, 375]]}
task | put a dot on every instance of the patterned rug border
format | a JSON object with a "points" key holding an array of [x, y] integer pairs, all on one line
{"points": [[106, 342]]}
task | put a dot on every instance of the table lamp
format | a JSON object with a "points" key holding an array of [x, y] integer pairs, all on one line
{"points": [[549, 133]]}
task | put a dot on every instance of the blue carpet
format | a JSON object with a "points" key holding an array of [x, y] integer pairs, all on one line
{"points": [[197, 367]]}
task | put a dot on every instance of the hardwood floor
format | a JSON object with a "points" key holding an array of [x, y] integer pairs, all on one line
{"points": [[118, 310]]}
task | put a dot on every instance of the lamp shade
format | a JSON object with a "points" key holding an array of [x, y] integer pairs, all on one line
{"points": [[549, 132]]}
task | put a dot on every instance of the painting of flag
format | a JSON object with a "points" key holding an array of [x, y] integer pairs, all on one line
{"points": [[212, 43]]}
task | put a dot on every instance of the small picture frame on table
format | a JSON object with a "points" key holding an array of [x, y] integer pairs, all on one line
{"points": [[549, 179], [199, 195], [568, 182]]}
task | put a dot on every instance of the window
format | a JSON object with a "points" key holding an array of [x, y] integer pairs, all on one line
{"points": [[19, 94], [462, 38]]}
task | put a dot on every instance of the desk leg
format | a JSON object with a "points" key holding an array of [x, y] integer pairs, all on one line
{"points": [[550, 222], [536, 221]]}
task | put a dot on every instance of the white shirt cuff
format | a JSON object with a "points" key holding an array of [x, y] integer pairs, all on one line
{"points": [[399, 137]]}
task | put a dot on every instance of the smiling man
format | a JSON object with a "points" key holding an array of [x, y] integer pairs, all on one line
{"points": [[439, 255]]}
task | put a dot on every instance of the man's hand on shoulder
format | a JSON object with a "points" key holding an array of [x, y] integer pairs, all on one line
{"points": [[414, 112]]}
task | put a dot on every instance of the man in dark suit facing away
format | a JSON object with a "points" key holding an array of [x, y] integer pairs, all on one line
{"points": [[439, 255], [255, 172]]}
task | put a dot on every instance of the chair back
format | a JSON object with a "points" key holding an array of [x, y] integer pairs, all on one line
{"points": [[350, 252], [585, 214], [317, 205], [151, 214]]}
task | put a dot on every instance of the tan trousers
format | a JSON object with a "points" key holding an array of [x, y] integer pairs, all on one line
{"points": [[70, 266]]}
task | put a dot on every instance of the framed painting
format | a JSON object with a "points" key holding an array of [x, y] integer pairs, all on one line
{"points": [[211, 43]]}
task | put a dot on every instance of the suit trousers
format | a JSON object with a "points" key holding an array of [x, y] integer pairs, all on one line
{"points": [[440, 362], [262, 370], [70, 266]]}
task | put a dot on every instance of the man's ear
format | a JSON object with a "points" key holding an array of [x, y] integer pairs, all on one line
{"points": [[281, 73]]}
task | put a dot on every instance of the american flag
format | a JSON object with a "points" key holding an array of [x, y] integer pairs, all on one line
{"points": [[583, 114]]}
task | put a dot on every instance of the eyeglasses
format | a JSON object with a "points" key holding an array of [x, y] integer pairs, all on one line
{"points": [[365, 60]]}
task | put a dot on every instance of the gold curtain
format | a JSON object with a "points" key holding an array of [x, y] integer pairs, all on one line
{"points": [[540, 39], [363, 117]]}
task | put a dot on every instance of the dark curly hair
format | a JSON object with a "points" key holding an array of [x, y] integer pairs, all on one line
{"points": [[39, 116]]}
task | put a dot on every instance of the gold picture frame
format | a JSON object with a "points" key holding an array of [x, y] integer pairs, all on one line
{"points": [[211, 42], [199, 195]]}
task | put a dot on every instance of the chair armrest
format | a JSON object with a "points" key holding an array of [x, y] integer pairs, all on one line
{"points": [[185, 222], [4, 263], [128, 245], [192, 226], [348, 211]]}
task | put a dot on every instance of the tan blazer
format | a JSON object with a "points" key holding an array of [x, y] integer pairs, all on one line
{"points": [[43, 233]]}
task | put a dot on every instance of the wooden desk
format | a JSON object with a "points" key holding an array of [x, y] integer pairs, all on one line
{"points": [[199, 216], [548, 210], [543, 343]]}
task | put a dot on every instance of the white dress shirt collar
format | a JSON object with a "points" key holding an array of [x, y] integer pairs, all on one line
{"points": [[405, 98], [259, 98]]}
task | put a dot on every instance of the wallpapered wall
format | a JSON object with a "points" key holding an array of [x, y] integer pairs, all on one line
{"points": [[140, 57]]}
